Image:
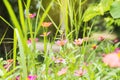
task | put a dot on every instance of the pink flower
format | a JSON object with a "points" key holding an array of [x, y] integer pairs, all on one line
{"points": [[62, 71], [103, 55], [32, 77], [101, 38], [46, 24], [18, 78], [8, 64], [45, 34], [61, 42], [80, 72], [78, 41], [32, 15], [9, 60], [117, 51], [112, 60], [115, 40], [58, 60], [29, 41]]}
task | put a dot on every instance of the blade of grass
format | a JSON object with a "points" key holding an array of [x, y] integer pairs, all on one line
{"points": [[22, 20], [51, 20], [12, 15], [43, 17], [22, 55], [6, 22], [28, 4], [64, 16], [14, 50], [9, 73], [28, 19], [57, 27], [3, 36], [37, 17]]}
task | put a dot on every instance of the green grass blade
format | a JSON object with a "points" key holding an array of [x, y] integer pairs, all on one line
{"points": [[28, 3], [14, 50], [21, 14], [37, 17], [13, 18], [12, 15], [10, 73], [28, 18], [43, 16], [3, 36], [22, 55], [6, 22]]}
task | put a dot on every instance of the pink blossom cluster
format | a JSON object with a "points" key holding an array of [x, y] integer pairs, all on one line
{"points": [[112, 59]]}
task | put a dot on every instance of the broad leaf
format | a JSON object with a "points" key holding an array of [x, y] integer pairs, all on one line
{"points": [[106, 4], [115, 9], [99, 9], [91, 12]]}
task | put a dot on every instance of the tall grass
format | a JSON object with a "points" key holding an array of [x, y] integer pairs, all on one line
{"points": [[71, 17], [21, 30]]}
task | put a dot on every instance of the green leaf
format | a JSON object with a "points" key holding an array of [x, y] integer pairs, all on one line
{"points": [[12, 14], [115, 9], [106, 4], [99, 9], [91, 12], [6, 22], [3, 36], [21, 14]]}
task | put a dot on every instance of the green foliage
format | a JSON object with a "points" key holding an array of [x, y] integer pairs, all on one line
{"points": [[111, 21], [72, 56], [21, 30], [115, 9], [3, 36], [72, 17], [96, 10]]}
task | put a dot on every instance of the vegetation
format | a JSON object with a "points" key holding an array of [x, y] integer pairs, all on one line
{"points": [[72, 53]]}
